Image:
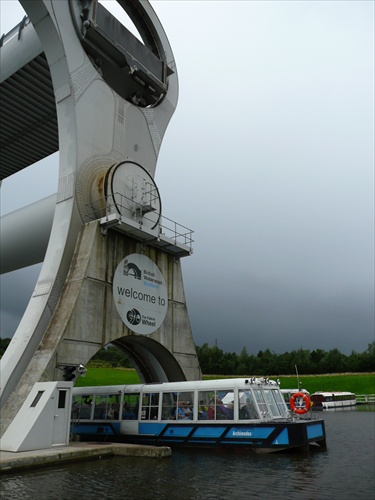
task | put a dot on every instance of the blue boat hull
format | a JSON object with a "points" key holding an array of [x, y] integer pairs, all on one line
{"points": [[273, 436]]}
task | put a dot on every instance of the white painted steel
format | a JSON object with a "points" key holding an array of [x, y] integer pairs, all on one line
{"points": [[24, 235], [43, 421], [92, 122], [14, 55]]}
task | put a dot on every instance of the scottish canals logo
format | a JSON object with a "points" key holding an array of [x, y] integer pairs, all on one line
{"points": [[133, 316], [140, 294]]}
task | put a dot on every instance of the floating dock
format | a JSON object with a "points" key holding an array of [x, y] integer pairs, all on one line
{"points": [[10, 461]]}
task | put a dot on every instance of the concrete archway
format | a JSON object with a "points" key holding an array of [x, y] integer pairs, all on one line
{"points": [[86, 319], [153, 362]]}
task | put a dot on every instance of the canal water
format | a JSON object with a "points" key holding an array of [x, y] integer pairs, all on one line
{"points": [[345, 470]]}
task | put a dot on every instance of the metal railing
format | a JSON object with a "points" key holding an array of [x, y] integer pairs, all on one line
{"points": [[365, 398], [142, 214], [176, 232]]}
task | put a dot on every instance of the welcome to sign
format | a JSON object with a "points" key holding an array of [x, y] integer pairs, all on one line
{"points": [[140, 294]]}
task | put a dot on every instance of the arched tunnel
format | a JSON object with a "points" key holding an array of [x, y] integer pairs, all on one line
{"points": [[153, 362]]}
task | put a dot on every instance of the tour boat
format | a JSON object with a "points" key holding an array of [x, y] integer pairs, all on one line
{"points": [[332, 400], [248, 413]]}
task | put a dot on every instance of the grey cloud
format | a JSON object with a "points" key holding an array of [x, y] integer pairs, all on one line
{"points": [[269, 158]]}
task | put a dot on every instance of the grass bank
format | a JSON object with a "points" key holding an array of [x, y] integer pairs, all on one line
{"points": [[108, 376], [359, 383]]}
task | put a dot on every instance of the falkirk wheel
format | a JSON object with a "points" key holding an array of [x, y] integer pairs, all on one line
{"points": [[75, 79]]}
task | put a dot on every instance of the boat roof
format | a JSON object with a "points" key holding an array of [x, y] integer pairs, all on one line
{"points": [[286, 391], [333, 393], [230, 383]]}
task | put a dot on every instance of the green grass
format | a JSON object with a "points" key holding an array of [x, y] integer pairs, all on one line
{"points": [[359, 383], [108, 376]]}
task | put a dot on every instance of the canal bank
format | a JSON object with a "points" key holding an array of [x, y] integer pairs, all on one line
{"points": [[10, 461]]}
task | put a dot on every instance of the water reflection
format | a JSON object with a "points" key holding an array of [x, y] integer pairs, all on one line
{"points": [[345, 471], [365, 407]]}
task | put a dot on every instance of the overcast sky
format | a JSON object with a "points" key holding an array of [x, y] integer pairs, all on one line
{"points": [[269, 158]]}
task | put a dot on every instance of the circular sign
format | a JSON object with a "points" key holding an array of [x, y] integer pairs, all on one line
{"points": [[140, 294]]}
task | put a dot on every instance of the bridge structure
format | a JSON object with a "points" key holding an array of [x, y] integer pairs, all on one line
{"points": [[74, 79]]}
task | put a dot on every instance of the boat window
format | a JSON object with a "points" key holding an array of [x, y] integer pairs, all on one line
{"points": [[269, 397], [247, 406], [130, 406], [184, 409], [150, 406], [106, 407], [286, 396], [202, 410], [81, 407], [168, 406], [100, 410], [280, 401], [204, 398], [262, 405], [317, 397], [216, 405], [177, 405]]}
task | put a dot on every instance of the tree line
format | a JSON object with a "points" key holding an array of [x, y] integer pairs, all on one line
{"points": [[214, 361]]}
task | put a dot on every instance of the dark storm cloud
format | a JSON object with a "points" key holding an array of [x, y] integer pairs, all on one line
{"points": [[268, 315]]}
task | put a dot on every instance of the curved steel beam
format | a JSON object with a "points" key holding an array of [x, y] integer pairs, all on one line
{"points": [[24, 235]]}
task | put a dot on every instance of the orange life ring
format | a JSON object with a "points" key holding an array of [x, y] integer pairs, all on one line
{"points": [[303, 409]]}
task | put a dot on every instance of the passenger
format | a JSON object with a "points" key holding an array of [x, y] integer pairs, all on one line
{"points": [[202, 411], [211, 410], [188, 409], [230, 408], [181, 412], [248, 411], [222, 412], [136, 409], [127, 414], [75, 410], [100, 410], [110, 413], [154, 413], [116, 412]]}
